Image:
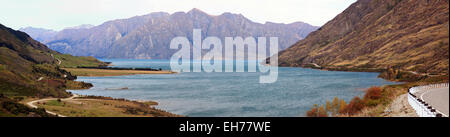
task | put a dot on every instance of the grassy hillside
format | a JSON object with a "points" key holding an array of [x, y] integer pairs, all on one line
{"points": [[409, 35], [69, 61], [11, 108], [406, 40], [30, 69]]}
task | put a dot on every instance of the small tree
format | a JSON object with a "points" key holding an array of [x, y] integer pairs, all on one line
{"points": [[335, 102], [328, 106], [342, 106], [335, 106], [322, 112]]}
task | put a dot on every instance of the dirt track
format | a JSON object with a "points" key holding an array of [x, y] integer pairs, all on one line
{"points": [[31, 103]]}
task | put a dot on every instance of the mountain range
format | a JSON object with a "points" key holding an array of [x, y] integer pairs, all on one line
{"points": [[411, 35], [149, 36], [39, 34]]}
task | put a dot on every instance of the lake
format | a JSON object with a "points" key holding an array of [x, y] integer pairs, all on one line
{"points": [[198, 94]]}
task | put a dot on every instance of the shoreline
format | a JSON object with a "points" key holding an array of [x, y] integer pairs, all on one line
{"points": [[369, 111], [294, 67], [94, 72], [396, 106], [98, 106]]}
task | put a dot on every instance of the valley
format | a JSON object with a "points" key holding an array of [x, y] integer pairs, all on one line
{"points": [[365, 59]]}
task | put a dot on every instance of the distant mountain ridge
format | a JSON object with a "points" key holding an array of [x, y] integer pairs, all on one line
{"points": [[149, 36], [39, 34], [83, 26], [411, 35]]}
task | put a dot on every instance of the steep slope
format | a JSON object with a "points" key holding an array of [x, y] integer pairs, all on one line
{"points": [[29, 68], [406, 34], [149, 36]]}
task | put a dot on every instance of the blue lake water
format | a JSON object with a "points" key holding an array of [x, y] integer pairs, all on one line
{"points": [[232, 94]]}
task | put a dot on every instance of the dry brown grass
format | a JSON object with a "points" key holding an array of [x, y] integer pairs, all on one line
{"points": [[408, 35]]}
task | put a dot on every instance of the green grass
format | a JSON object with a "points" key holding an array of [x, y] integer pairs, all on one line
{"points": [[54, 103], [2, 67], [11, 89], [69, 61], [151, 103]]}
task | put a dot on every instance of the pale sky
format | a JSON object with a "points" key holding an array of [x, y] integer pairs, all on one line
{"points": [[59, 14]]}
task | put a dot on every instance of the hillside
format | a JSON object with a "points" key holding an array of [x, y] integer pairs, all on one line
{"points": [[30, 69], [411, 35], [149, 36]]}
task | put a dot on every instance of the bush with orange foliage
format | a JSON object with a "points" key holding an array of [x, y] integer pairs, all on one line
{"points": [[322, 112], [342, 107], [355, 106], [373, 97], [317, 111], [373, 93], [313, 112]]}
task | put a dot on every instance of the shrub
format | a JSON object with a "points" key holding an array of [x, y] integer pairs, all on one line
{"points": [[335, 102], [10, 106], [313, 112], [373, 93], [322, 112], [372, 103], [2, 67], [354, 106], [342, 106], [20, 98], [328, 106]]}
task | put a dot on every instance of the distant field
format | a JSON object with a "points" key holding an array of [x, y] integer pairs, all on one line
{"points": [[68, 61], [106, 72]]}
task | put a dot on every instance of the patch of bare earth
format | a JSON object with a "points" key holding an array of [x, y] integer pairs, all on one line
{"points": [[400, 108]]}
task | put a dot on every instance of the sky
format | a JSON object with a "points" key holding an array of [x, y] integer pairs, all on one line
{"points": [[59, 14]]}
